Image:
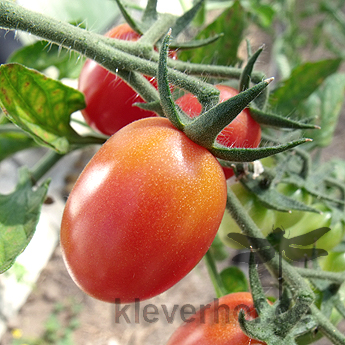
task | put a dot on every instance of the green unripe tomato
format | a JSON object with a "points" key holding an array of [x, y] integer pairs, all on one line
{"points": [[285, 219], [268, 162], [263, 217], [333, 262], [312, 221]]}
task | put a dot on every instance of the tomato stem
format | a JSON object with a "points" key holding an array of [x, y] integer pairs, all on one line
{"points": [[214, 275], [248, 69], [141, 85], [154, 33], [327, 328], [256, 238], [132, 23], [113, 54], [336, 277], [170, 110], [150, 12], [167, 101], [44, 165]]}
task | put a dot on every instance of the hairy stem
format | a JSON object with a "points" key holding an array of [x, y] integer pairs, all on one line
{"points": [[214, 275], [270, 257], [116, 56], [336, 277], [44, 165]]}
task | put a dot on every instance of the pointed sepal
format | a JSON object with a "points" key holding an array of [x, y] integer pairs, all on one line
{"points": [[205, 128], [275, 120]]}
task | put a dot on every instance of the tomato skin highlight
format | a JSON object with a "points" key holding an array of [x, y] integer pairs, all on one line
{"points": [[108, 98], [243, 131], [143, 212], [217, 323]]}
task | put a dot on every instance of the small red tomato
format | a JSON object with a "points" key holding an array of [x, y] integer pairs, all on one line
{"points": [[143, 212], [243, 131], [109, 100], [217, 323]]}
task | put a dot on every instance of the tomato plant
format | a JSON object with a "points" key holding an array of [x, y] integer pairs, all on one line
{"points": [[133, 230], [109, 100], [148, 205], [243, 131], [217, 323]]}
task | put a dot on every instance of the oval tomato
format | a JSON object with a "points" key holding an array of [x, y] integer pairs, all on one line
{"points": [[243, 131], [109, 100], [263, 217], [143, 212], [217, 323]]}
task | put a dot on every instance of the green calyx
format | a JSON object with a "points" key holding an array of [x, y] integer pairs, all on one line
{"points": [[205, 129]]}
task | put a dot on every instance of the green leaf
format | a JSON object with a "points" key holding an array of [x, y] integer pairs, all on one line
{"points": [[42, 55], [234, 280], [232, 23], [14, 141], [19, 215], [40, 106], [303, 81], [326, 103]]}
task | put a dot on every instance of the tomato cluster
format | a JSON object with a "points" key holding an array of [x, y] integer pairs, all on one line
{"points": [[109, 100], [143, 212], [148, 205]]}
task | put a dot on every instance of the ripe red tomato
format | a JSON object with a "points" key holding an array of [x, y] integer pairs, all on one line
{"points": [[243, 131], [143, 212], [109, 100], [217, 323]]}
